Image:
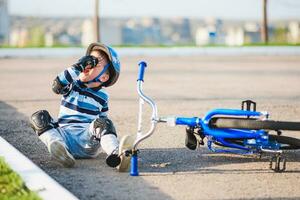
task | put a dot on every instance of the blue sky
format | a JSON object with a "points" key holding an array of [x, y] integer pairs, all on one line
{"points": [[229, 9]]}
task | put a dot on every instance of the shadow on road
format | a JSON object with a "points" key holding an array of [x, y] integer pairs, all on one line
{"points": [[182, 160], [273, 198], [90, 179]]}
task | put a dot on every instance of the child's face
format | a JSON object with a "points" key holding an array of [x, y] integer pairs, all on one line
{"points": [[91, 73]]}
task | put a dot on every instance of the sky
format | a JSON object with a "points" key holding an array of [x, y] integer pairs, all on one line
{"points": [[226, 9]]}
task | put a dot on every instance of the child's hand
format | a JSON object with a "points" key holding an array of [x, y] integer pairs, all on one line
{"points": [[84, 62]]}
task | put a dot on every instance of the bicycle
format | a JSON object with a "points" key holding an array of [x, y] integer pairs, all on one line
{"points": [[244, 131]]}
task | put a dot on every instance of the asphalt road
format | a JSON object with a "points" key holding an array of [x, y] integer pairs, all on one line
{"points": [[188, 86]]}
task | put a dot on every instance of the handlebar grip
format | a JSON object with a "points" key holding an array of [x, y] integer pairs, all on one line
{"points": [[142, 66]]}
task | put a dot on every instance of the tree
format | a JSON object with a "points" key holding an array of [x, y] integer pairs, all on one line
{"points": [[96, 22], [264, 30]]}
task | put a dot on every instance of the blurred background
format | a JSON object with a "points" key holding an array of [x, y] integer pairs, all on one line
{"points": [[215, 54], [76, 23]]}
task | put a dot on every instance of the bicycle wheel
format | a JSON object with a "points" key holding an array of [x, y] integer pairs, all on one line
{"points": [[253, 124], [285, 141]]}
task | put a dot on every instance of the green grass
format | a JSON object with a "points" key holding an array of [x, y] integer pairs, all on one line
{"points": [[271, 44], [30, 46], [12, 186], [164, 45]]}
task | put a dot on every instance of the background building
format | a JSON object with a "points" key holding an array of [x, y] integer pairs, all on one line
{"points": [[294, 32], [71, 31], [111, 31], [4, 22]]}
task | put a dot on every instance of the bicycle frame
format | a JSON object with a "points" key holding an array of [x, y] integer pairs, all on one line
{"points": [[256, 140]]}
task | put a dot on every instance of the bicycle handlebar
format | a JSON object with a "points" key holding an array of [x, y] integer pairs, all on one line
{"points": [[142, 66], [143, 97]]}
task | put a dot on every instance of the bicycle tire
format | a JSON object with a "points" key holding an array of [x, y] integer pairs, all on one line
{"points": [[253, 124], [286, 143]]}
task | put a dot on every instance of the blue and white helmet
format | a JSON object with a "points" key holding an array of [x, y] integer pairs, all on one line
{"points": [[113, 57]]}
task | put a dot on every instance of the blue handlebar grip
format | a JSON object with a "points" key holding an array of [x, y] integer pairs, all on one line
{"points": [[142, 66], [187, 121], [134, 171]]}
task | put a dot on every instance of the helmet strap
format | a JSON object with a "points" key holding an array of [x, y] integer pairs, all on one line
{"points": [[99, 75]]}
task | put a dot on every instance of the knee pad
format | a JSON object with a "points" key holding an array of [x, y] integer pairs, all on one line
{"points": [[41, 121], [104, 126]]}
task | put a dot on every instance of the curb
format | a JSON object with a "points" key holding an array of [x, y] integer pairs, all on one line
{"points": [[35, 178], [169, 51]]}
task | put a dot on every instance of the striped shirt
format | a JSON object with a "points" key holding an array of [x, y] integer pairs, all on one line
{"points": [[80, 104]]}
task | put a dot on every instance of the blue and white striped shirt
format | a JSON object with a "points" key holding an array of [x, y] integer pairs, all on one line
{"points": [[80, 104]]}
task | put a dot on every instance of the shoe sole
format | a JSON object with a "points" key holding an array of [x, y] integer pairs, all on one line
{"points": [[126, 143], [61, 155]]}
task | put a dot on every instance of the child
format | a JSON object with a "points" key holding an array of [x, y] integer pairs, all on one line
{"points": [[83, 126]]}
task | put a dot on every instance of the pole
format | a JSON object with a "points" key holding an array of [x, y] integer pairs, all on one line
{"points": [[264, 30], [96, 22]]}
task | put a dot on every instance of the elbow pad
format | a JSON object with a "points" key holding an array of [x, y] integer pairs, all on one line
{"points": [[58, 88]]}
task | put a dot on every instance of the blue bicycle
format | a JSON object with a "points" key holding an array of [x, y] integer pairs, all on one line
{"points": [[244, 131]]}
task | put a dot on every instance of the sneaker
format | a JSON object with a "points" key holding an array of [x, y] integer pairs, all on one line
{"points": [[113, 160], [126, 143], [59, 152]]}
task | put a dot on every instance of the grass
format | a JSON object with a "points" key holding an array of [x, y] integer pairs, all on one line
{"points": [[271, 44], [12, 186], [28, 46], [165, 46]]}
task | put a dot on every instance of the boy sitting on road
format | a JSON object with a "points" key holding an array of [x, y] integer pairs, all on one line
{"points": [[83, 126]]}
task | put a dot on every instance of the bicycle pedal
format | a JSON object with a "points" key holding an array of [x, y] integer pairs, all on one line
{"points": [[249, 105], [278, 163]]}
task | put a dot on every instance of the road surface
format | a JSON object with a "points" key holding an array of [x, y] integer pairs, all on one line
{"points": [[188, 86]]}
